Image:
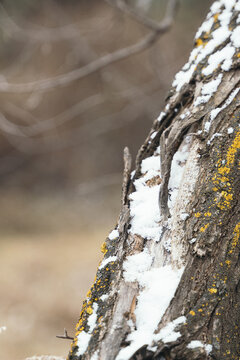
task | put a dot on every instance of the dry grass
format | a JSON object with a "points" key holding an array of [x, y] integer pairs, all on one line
{"points": [[43, 280]]}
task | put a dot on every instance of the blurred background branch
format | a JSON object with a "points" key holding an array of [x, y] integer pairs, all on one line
{"points": [[68, 107], [102, 62]]}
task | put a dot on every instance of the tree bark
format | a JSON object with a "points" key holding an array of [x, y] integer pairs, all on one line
{"points": [[190, 247]]}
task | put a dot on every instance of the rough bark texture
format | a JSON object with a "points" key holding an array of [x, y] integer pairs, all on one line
{"points": [[205, 241]]}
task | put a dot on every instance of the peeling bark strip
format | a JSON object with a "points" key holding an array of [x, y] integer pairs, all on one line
{"points": [[168, 286]]}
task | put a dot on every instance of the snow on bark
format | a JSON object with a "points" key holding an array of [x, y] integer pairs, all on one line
{"points": [[131, 307], [211, 36]]}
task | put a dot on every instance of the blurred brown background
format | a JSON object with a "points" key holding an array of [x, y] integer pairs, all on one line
{"points": [[61, 151]]}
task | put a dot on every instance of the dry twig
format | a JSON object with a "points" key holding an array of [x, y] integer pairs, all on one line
{"points": [[65, 336]]}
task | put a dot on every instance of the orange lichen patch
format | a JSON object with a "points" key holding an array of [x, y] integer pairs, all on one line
{"points": [[215, 17], [89, 293], [208, 213], [192, 313], [225, 200], [235, 239], [104, 248], [204, 228], [221, 178], [199, 42], [233, 149], [223, 170], [197, 215], [89, 310], [212, 290]]}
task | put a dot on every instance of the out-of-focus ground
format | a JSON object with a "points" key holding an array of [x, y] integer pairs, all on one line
{"points": [[61, 151]]}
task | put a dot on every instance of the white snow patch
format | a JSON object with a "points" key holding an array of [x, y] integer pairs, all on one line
{"points": [[213, 137], [2, 329], [92, 318], [237, 6], [150, 164], [235, 37], [144, 211], [205, 27], [216, 111], [136, 264], [230, 130], [153, 135], [144, 208], [208, 348], [161, 116], [82, 342], [167, 334], [207, 126], [192, 241], [184, 216], [223, 56], [183, 77], [219, 35], [113, 234], [215, 7], [107, 261], [208, 90], [84, 337], [95, 356], [196, 344], [104, 297], [159, 286]]}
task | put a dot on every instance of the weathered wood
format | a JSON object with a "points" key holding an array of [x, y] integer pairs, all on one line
{"points": [[196, 234]]}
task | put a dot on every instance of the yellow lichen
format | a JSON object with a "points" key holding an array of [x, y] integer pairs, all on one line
{"points": [[212, 290], [236, 237], [199, 42], [204, 228], [104, 248], [89, 293], [197, 215], [89, 310], [208, 213]]}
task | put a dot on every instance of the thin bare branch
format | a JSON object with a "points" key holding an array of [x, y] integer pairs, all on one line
{"points": [[139, 17], [38, 126], [10, 27], [54, 122], [94, 66], [65, 336], [76, 136]]}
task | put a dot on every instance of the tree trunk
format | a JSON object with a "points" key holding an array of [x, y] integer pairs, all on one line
{"points": [[169, 284]]}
